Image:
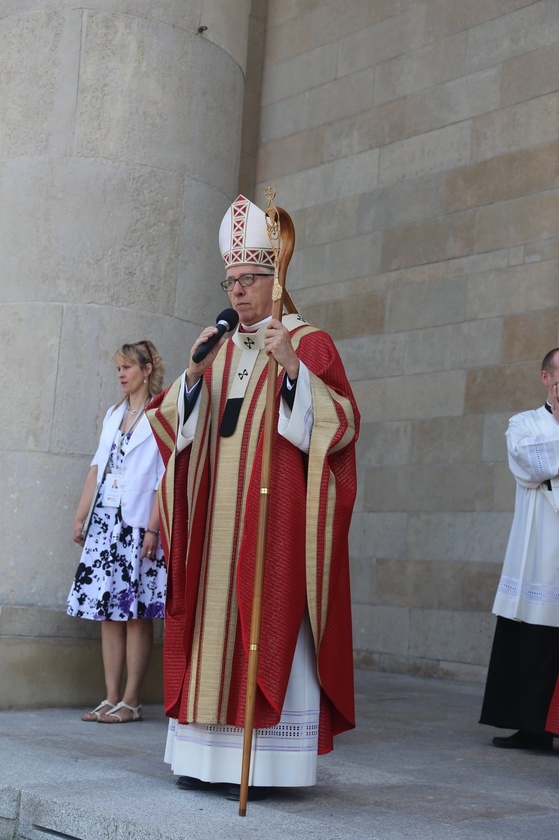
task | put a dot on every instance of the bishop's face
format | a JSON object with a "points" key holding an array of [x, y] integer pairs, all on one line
{"points": [[252, 303]]}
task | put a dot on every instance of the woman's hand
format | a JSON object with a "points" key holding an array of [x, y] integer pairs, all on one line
{"points": [[89, 489], [78, 525], [149, 545]]}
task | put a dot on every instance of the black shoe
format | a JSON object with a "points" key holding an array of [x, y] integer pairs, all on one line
{"points": [[254, 793], [524, 741], [190, 783]]}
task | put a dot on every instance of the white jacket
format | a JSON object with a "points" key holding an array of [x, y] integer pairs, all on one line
{"points": [[142, 467]]}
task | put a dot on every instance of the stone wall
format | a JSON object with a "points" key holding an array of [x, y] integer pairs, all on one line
{"points": [[119, 153], [414, 142]]}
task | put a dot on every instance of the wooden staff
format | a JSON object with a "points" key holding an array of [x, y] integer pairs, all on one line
{"points": [[282, 236]]}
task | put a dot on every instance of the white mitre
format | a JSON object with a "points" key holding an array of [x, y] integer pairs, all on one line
{"points": [[243, 236]]}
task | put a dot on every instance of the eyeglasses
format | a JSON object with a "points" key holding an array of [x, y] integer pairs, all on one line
{"points": [[243, 280]]}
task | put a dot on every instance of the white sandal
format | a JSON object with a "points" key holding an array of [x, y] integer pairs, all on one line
{"points": [[136, 714], [93, 717]]}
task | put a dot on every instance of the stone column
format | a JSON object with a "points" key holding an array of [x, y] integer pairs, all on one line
{"points": [[119, 152]]}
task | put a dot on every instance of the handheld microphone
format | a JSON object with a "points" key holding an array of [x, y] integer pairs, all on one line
{"points": [[225, 321]]}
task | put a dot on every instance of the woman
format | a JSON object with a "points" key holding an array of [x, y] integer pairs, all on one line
{"points": [[121, 577]]}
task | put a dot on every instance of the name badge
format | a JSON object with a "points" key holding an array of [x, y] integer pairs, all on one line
{"points": [[113, 491]]}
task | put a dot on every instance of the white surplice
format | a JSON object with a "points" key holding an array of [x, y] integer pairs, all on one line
{"points": [[529, 586]]}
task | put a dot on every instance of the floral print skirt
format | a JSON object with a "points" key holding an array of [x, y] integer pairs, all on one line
{"points": [[111, 581]]}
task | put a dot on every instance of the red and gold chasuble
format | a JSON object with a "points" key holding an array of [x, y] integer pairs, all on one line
{"points": [[209, 500]]}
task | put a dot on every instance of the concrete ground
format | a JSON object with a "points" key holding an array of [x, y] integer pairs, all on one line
{"points": [[417, 766]]}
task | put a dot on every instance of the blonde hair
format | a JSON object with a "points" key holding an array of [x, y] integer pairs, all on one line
{"points": [[144, 353]]}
